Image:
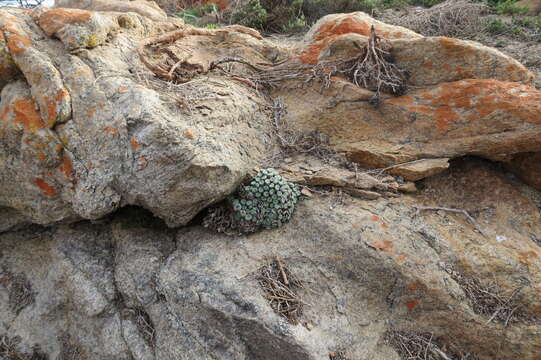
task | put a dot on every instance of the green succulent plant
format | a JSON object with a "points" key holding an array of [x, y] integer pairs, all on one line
{"points": [[266, 202]]}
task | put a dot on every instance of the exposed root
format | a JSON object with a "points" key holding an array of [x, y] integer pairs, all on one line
{"points": [[176, 71], [280, 288], [372, 69]]}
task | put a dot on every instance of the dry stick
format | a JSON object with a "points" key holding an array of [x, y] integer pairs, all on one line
{"points": [[282, 270], [460, 211]]}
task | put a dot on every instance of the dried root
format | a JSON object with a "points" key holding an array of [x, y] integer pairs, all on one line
{"points": [[176, 72], [372, 69]]}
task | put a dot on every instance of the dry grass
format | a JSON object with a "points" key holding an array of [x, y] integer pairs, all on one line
{"points": [[280, 287], [452, 18], [19, 290], [338, 355], [8, 350], [416, 346], [70, 350], [293, 142], [145, 326], [489, 300]]}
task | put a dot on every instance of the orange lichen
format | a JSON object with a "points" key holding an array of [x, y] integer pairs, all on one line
{"points": [[52, 104], [18, 43], [420, 109], [402, 100], [346, 25], [527, 257], [90, 111], [111, 130], [54, 19], [4, 113], [66, 167], [189, 133], [329, 31], [46, 189], [311, 54], [413, 286], [27, 115], [456, 47], [134, 143], [473, 99], [412, 304], [375, 218], [445, 115], [41, 156]]}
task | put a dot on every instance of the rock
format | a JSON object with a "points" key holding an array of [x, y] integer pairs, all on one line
{"points": [[130, 287], [331, 27], [489, 118], [527, 166], [420, 169], [76, 28], [147, 9], [99, 142], [434, 60], [408, 187]]}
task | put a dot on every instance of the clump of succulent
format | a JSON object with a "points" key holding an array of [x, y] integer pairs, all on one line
{"points": [[266, 202]]}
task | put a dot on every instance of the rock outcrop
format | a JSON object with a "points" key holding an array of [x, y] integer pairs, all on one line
{"points": [[130, 288], [104, 169], [83, 135]]}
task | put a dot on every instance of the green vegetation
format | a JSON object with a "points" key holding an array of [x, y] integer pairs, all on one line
{"points": [[508, 7], [266, 202], [527, 28], [253, 15], [192, 16]]}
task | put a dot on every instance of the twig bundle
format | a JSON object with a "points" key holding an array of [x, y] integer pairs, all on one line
{"points": [[280, 286]]}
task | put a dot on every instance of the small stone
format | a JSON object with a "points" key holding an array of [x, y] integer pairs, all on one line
{"points": [[408, 187], [306, 192]]}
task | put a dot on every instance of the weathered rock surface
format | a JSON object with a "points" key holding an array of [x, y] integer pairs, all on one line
{"points": [[527, 166], [129, 287], [144, 8], [420, 169], [87, 133], [102, 138]]}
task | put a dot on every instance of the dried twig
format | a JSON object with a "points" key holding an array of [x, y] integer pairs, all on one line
{"points": [[280, 287], [460, 211]]}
